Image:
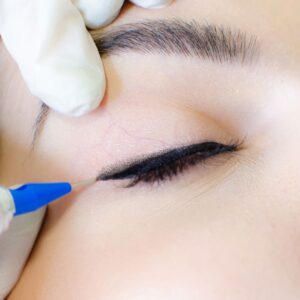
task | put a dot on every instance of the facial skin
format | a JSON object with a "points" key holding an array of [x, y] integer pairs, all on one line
{"points": [[229, 229]]}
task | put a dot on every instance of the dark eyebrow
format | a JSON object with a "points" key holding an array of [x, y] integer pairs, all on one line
{"points": [[178, 37]]}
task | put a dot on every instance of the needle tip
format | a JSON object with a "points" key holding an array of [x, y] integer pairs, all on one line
{"points": [[83, 183]]}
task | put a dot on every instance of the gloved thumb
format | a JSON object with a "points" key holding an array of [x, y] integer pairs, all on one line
{"points": [[55, 53]]}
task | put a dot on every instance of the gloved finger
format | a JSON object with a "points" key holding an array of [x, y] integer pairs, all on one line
{"points": [[98, 13], [56, 55], [151, 3]]}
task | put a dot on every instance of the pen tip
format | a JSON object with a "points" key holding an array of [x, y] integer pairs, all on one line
{"points": [[83, 183]]}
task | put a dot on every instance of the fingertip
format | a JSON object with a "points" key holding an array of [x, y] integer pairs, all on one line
{"points": [[152, 4], [99, 13], [72, 91], [97, 22]]}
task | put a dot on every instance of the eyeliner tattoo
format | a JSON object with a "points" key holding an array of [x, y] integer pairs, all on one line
{"points": [[167, 164]]}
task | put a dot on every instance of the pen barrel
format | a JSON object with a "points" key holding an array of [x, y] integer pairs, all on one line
{"points": [[32, 196]]}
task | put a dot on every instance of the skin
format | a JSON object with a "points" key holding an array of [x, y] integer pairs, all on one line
{"points": [[229, 229]]}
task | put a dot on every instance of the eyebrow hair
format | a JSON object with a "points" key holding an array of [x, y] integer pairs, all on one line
{"points": [[178, 37], [39, 123]]}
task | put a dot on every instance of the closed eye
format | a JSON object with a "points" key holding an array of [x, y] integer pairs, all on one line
{"points": [[166, 165]]}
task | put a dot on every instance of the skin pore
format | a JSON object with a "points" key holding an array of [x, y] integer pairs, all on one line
{"points": [[228, 228]]}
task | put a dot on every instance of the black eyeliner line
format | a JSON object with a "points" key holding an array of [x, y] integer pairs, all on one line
{"points": [[158, 160]]}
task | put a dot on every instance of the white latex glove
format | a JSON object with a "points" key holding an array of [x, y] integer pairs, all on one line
{"points": [[15, 246], [55, 53], [61, 65]]}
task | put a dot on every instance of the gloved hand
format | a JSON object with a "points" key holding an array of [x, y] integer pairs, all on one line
{"points": [[55, 53], [61, 65], [15, 246]]}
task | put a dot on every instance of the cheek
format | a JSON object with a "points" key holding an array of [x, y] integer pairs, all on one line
{"points": [[223, 245]]}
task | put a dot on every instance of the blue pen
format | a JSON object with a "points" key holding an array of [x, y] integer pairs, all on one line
{"points": [[33, 196]]}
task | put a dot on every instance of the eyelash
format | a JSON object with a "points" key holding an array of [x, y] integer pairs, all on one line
{"points": [[171, 170]]}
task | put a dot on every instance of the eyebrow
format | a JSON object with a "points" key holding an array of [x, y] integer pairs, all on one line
{"points": [[178, 37], [171, 37]]}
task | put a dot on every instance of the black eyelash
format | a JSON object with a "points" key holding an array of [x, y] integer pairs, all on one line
{"points": [[173, 168], [166, 165]]}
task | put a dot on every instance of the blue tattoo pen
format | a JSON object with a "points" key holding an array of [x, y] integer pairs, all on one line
{"points": [[30, 197]]}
